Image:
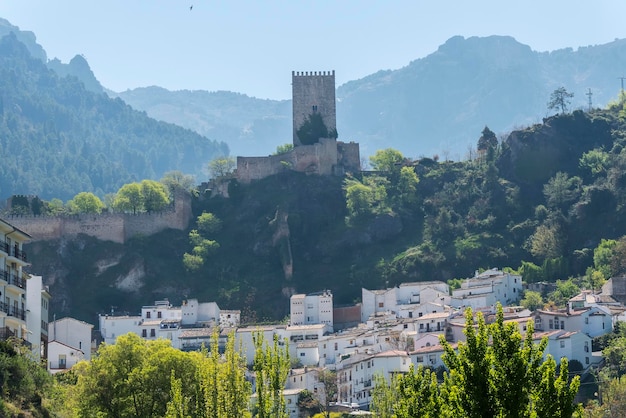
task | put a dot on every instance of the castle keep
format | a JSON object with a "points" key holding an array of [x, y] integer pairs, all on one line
{"points": [[316, 149]]}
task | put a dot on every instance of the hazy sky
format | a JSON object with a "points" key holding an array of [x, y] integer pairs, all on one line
{"points": [[251, 47]]}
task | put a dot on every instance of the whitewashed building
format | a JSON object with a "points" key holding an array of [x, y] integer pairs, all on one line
{"points": [[13, 282], [311, 309], [37, 316], [112, 326], [488, 288], [593, 321], [406, 297], [69, 342], [355, 374]]}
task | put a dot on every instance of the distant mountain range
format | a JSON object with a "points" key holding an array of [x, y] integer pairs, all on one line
{"points": [[436, 105]]}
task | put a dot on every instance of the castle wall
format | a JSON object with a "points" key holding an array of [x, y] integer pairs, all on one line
{"points": [[116, 227], [313, 92], [349, 156], [319, 158]]}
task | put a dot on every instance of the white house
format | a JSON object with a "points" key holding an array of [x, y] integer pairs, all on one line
{"points": [[62, 357], [69, 342], [355, 374], [400, 298], [37, 311], [244, 339], [488, 288], [312, 308], [573, 345], [112, 326], [429, 356], [593, 321]]}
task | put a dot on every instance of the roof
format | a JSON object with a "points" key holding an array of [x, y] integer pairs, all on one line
{"points": [[68, 318], [196, 333], [392, 353], [435, 315]]}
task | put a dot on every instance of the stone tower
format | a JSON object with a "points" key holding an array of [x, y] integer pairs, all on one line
{"points": [[313, 97]]}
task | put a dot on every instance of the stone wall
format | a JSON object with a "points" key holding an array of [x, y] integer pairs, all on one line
{"points": [[320, 158], [116, 227]]}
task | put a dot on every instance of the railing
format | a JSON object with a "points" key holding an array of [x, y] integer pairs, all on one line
{"points": [[15, 280], [6, 333], [19, 254], [4, 247], [13, 311], [4, 275]]}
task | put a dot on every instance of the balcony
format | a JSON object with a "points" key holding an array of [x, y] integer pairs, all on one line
{"points": [[6, 333], [13, 311], [4, 247], [17, 253], [15, 280]]}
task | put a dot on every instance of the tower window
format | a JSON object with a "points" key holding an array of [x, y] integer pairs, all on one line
{"points": [[315, 108]]}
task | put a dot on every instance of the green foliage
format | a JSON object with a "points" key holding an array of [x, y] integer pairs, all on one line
{"points": [[64, 139], [387, 161], [222, 166], [595, 161], [313, 129], [532, 300], [562, 190], [283, 149], [155, 195], [271, 365], [208, 223], [129, 198], [176, 180], [565, 290], [560, 100], [85, 202]]}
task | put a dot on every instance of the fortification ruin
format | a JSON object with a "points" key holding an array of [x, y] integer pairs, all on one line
{"points": [[315, 146]]}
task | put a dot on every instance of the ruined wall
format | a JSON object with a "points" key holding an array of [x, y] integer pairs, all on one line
{"points": [[319, 158], [348, 156], [116, 227], [313, 92]]}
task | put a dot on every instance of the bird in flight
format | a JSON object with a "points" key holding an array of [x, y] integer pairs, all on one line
{"points": [[191, 7]]}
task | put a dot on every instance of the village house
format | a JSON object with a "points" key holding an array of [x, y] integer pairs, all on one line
{"points": [[487, 289], [311, 309], [69, 342], [593, 321]]}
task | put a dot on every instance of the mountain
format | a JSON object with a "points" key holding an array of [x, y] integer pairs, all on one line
{"points": [[438, 104], [249, 125], [59, 138]]}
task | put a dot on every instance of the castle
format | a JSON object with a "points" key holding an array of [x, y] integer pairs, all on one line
{"points": [[315, 146]]}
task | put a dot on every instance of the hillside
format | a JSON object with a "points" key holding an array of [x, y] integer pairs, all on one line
{"points": [[547, 195], [59, 138], [435, 105]]}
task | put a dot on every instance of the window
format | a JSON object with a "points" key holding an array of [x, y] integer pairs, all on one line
{"points": [[586, 320], [586, 360], [562, 344], [152, 332], [147, 314], [419, 359], [144, 333], [551, 324], [381, 304], [62, 361], [301, 354], [159, 314], [562, 324]]}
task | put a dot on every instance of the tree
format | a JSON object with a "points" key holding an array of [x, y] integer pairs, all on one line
{"points": [[546, 242], [560, 100], [532, 300], [222, 166], [271, 365], [565, 290], [176, 180], [154, 195], [129, 197], [418, 394], [327, 393], [561, 190], [388, 160], [487, 143], [507, 378], [313, 129], [85, 202], [208, 223], [384, 397]]}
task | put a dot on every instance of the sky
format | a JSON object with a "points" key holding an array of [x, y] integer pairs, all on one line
{"points": [[252, 46]]}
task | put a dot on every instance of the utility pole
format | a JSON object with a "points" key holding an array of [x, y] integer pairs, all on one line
{"points": [[621, 94], [589, 94]]}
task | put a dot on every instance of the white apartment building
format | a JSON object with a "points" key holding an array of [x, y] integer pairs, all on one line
{"points": [[13, 282], [355, 374], [486, 289], [406, 297], [312, 308], [37, 311]]}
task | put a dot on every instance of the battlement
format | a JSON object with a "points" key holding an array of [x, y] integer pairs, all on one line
{"points": [[312, 73]]}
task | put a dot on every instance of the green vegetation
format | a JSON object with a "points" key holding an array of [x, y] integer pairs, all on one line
{"points": [[221, 166], [497, 372], [313, 129], [59, 139]]}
